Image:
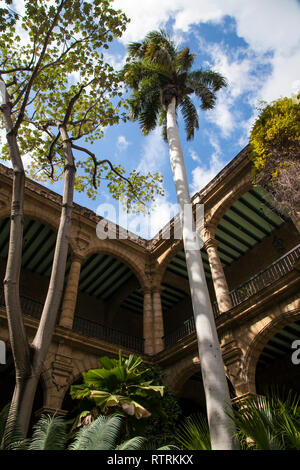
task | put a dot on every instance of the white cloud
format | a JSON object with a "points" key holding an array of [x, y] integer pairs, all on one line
{"points": [[122, 143], [268, 27], [202, 175], [154, 153]]}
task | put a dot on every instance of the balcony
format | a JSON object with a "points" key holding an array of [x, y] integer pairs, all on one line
{"points": [[241, 293], [89, 328], [105, 333], [255, 284]]}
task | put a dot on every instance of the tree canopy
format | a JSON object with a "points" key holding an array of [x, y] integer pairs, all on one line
{"points": [[53, 68], [275, 152], [156, 71]]}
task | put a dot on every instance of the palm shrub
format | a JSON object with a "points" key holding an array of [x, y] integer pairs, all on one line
{"points": [[264, 423], [269, 423], [50, 433]]}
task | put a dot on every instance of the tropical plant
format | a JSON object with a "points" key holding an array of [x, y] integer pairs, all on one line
{"points": [[161, 426], [275, 153], [269, 423], [57, 96], [193, 433], [119, 385], [160, 77], [11, 437], [263, 423], [50, 433]]}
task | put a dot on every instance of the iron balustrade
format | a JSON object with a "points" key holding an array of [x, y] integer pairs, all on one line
{"points": [[31, 307], [244, 291], [34, 308], [97, 330]]}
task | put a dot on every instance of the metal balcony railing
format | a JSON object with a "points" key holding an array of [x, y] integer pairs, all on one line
{"points": [[244, 291], [97, 330], [29, 306], [255, 284], [90, 328]]}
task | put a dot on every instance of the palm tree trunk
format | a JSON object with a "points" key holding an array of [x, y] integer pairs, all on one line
{"points": [[212, 367]]}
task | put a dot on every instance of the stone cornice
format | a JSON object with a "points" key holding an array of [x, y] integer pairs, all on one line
{"points": [[159, 243]]}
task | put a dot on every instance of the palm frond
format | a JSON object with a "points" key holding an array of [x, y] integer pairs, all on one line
{"points": [[49, 434], [101, 434], [208, 78], [136, 443], [255, 423], [185, 59], [11, 436], [160, 49], [190, 116], [193, 434]]}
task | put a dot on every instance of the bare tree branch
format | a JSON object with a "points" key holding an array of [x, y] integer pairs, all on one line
{"points": [[101, 162]]}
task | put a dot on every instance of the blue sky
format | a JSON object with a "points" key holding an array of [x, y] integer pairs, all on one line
{"points": [[254, 45]]}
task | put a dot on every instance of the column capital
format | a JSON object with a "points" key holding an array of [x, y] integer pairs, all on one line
{"points": [[76, 257], [147, 290], [207, 231], [211, 242], [157, 289]]}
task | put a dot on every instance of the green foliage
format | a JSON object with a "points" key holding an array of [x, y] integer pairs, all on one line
{"points": [[119, 385], [269, 423], [277, 127], [50, 434], [161, 426], [275, 153], [193, 433], [264, 423], [53, 66], [156, 70], [11, 436]]}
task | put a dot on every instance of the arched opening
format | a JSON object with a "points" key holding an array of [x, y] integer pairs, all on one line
{"points": [[191, 397], [276, 367], [109, 301], [252, 235], [37, 257], [176, 299]]}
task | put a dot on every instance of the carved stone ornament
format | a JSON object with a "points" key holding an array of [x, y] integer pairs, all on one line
{"points": [[234, 362], [61, 371]]}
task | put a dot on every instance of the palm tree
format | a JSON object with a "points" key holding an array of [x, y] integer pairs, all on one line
{"points": [[160, 77], [50, 433]]}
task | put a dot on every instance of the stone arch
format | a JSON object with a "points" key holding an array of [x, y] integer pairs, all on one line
{"points": [[48, 220], [181, 371], [133, 261], [216, 213], [260, 340], [38, 217], [162, 265]]}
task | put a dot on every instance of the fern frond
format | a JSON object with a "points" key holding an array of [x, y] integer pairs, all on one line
{"points": [[49, 434]]}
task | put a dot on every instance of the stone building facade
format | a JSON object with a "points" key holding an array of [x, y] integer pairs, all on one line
{"points": [[133, 294]]}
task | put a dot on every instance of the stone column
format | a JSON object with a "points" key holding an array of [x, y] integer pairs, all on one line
{"points": [[218, 276], [70, 297], [158, 322], [148, 323]]}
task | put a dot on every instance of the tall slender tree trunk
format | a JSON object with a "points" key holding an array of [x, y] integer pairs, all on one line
{"points": [[212, 367], [29, 359]]}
